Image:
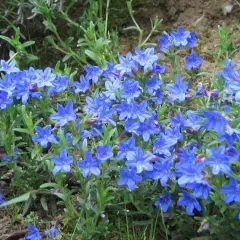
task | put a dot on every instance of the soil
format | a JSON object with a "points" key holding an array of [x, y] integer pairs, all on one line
{"points": [[201, 16], [8, 230]]}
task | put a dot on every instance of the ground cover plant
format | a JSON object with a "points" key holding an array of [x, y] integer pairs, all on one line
{"points": [[133, 150]]}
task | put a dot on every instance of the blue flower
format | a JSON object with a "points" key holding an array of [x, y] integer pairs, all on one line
{"points": [[103, 153], [81, 86], [130, 89], [162, 144], [214, 120], [105, 115], [164, 201], [52, 232], [159, 69], [232, 191], [44, 136], [191, 40], [145, 129], [190, 202], [161, 171], [59, 84], [153, 84], [193, 120], [190, 173], [89, 165], [232, 153], [25, 89], [141, 161], [112, 88], [173, 132], [177, 90], [129, 177], [64, 115], [62, 162], [230, 135], [131, 127], [8, 67], [126, 65], [200, 89], [109, 72], [4, 99], [165, 42], [2, 197], [186, 157], [140, 112], [96, 104], [229, 73], [126, 149], [146, 58], [238, 215], [158, 96], [178, 120], [193, 61], [33, 233], [44, 78], [218, 160], [180, 37], [93, 73], [96, 129], [201, 189], [126, 109], [8, 84]]}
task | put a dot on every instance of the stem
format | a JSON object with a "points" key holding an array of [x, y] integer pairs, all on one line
{"points": [[150, 34], [106, 20], [12, 57], [129, 4], [127, 223], [155, 226], [75, 228], [165, 228]]}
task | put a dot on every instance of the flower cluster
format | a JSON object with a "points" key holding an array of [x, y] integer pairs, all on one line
{"points": [[153, 130]]}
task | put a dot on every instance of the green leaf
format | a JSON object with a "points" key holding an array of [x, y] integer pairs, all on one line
{"points": [[66, 57], [50, 26], [91, 54], [22, 130], [44, 203], [9, 40], [19, 199], [27, 44], [27, 205], [49, 185], [61, 196], [131, 28]]}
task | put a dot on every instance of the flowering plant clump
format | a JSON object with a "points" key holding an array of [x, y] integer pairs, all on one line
{"points": [[136, 140]]}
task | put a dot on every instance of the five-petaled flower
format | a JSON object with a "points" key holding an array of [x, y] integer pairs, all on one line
{"points": [[44, 136], [232, 191], [89, 165], [193, 61], [33, 234], [129, 177], [64, 114], [62, 162], [164, 201], [190, 202]]}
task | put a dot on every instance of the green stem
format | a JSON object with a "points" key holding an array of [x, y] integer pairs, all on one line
{"points": [[12, 57], [163, 222], [128, 236], [106, 20]]}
